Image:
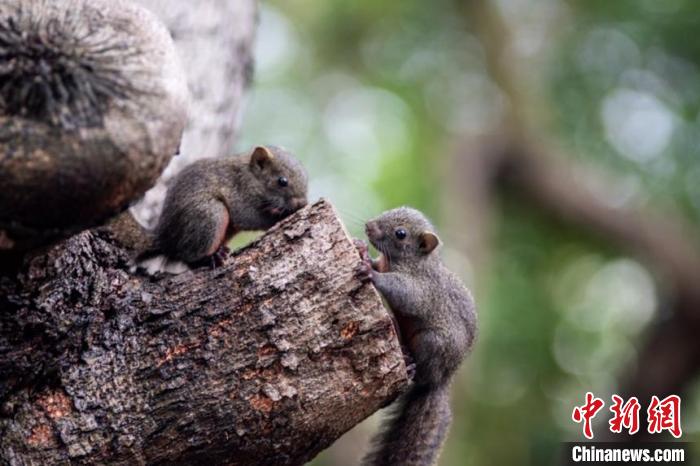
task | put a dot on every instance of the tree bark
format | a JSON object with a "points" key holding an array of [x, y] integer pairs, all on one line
{"points": [[60, 181], [265, 360], [93, 103]]}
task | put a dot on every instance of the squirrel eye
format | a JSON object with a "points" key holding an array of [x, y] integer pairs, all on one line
{"points": [[400, 233], [282, 181]]}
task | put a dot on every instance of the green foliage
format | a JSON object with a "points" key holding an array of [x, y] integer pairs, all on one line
{"points": [[375, 96]]}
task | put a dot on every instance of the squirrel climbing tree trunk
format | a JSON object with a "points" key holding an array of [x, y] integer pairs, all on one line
{"points": [[266, 360]]}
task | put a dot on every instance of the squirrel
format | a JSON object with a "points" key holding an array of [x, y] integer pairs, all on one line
{"points": [[436, 319], [211, 200]]}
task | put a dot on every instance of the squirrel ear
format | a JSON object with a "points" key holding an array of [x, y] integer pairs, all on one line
{"points": [[428, 241], [261, 157]]}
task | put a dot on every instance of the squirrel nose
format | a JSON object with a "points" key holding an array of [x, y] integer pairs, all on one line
{"points": [[298, 203]]}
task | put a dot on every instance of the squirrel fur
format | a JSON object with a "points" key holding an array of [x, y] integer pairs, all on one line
{"points": [[210, 201], [436, 317]]}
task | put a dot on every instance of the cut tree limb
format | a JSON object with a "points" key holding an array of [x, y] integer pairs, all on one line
{"points": [[265, 360]]}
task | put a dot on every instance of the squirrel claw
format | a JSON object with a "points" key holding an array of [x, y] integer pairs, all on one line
{"points": [[364, 272], [218, 259], [362, 248], [410, 364], [411, 371], [359, 244]]}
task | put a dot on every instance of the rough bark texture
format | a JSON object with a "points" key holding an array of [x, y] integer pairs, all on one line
{"points": [[69, 180], [92, 107], [265, 360]]}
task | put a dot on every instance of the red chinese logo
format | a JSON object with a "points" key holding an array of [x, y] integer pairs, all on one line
{"points": [[587, 412], [661, 415], [625, 415], [665, 415]]}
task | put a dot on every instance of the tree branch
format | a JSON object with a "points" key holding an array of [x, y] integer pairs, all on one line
{"points": [[92, 107], [266, 360], [582, 198]]}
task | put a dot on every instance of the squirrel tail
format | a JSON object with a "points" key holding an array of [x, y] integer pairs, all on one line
{"points": [[413, 435]]}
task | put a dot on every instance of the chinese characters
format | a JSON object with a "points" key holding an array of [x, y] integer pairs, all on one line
{"points": [[662, 415]]}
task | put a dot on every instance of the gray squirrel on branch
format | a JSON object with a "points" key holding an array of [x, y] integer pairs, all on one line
{"points": [[209, 202], [436, 319]]}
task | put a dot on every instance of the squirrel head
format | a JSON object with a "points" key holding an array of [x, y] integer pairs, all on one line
{"points": [[281, 182], [402, 235]]}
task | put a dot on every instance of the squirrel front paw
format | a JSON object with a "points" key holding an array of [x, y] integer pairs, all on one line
{"points": [[364, 271], [362, 248]]}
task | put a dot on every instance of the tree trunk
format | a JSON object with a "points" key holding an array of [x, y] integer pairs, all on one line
{"points": [[265, 360], [214, 39], [57, 181]]}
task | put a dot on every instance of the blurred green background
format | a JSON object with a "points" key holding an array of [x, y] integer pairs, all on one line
{"points": [[382, 98]]}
